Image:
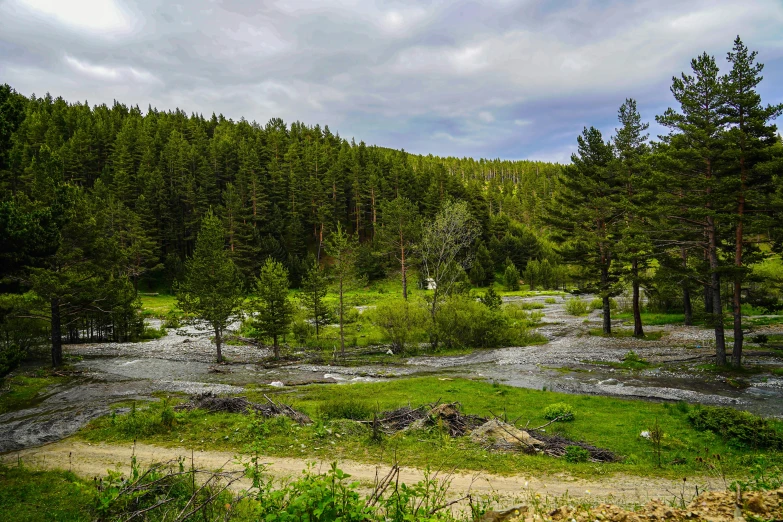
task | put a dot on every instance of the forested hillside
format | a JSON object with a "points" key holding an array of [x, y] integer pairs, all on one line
{"points": [[99, 202]]}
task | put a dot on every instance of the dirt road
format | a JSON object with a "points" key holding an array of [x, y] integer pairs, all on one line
{"points": [[93, 460]]}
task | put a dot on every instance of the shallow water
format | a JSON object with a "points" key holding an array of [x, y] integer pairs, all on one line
{"points": [[182, 361]]}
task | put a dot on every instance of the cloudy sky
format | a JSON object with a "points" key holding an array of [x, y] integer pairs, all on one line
{"points": [[497, 78]]}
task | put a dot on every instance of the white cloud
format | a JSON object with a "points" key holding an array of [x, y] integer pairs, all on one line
{"points": [[93, 15], [111, 74]]}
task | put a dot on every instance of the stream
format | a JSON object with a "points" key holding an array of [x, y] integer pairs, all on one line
{"points": [[182, 362]]}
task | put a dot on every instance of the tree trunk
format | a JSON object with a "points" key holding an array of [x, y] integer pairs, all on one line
{"points": [[276, 346], [638, 331], [403, 270], [736, 354], [57, 338], [433, 310], [605, 299], [342, 334], [717, 309], [686, 292], [686, 305], [219, 344]]}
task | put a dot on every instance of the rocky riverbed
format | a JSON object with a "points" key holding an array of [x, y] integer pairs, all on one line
{"points": [[572, 361]]}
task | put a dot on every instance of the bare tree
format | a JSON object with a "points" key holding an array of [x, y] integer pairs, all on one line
{"points": [[444, 251]]}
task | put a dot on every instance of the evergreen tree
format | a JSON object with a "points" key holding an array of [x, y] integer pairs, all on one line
{"points": [[751, 138], [693, 195], [274, 310], [211, 289], [588, 215], [399, 230], [630, 142], [342, 248], [314, 289]]}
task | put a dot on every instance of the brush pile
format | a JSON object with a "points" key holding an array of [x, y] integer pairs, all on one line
{"points": [[555, 446], [447, 416], [494, 434], [215, 403]]}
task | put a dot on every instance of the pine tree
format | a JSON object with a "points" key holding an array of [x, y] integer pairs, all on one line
{"points": [[341, 246], [399, 229], [588, 214], [751, 137], [692, 194], [211, 289], [274, 310], [313, 292]]}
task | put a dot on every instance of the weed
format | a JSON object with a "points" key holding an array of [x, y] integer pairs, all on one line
{"points": [[560, 411]]}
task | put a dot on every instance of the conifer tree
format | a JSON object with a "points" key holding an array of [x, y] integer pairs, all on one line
{"points": [[588, 215], [341, 246], [692, 193], [314, 289], [399, 229], [211, 289], [274, 310], [750, 138]]}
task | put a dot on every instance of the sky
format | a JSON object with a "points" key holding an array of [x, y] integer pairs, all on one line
{"points": [[512, 79]]}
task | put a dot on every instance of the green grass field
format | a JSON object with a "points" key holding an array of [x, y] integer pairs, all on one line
{"points": [[606, 422]]}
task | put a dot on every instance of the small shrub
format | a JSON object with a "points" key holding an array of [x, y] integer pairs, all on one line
{"points": [[167, 415], [576, 454], [560, 410], [173, 320], [598, 304], [511, 278], [576, 306], [760, 339], [491, 299], [739, 428], [350, 315], [550, 300], [346, 409], [400, 321], [150, 333]]}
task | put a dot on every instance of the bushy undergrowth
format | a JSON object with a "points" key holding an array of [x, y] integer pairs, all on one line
{"points": [[401, 321], [560, 411], [738, 428], [576, 306], [463, 322]]}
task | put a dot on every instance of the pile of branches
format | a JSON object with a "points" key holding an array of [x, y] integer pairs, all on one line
{"points": [[400, 419], [215, 403], [555, 446], [448, 416]]}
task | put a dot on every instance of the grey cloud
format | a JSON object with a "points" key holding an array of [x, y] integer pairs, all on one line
{"points": [[450, 78]]}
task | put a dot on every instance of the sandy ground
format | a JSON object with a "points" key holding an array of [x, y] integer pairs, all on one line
{"points": [[93, 460]]}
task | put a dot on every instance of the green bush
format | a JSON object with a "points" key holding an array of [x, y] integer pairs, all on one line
{"points": [[491, 299], [576, 306], [598, 304], [401, 322], [350, 315], [559, 409], [550, 300], [511, 278], [739, 428], [346, 409], [576, 454], [465, 323]]}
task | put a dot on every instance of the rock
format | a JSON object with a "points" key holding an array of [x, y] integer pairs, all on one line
{"points": [[498, 431], [276, 384]]}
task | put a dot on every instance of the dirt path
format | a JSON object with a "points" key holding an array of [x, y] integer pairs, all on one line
{"points": [[93, 460]]}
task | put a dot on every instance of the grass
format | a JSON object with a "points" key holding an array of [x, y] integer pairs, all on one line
{"points": [[23, 391], [649, 336], [27, 495], [602, 421], [652, 318], [158, 305]]}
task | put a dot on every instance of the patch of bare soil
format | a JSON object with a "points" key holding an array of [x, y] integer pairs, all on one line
{"points": [[93, 460], [711, 506]]}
